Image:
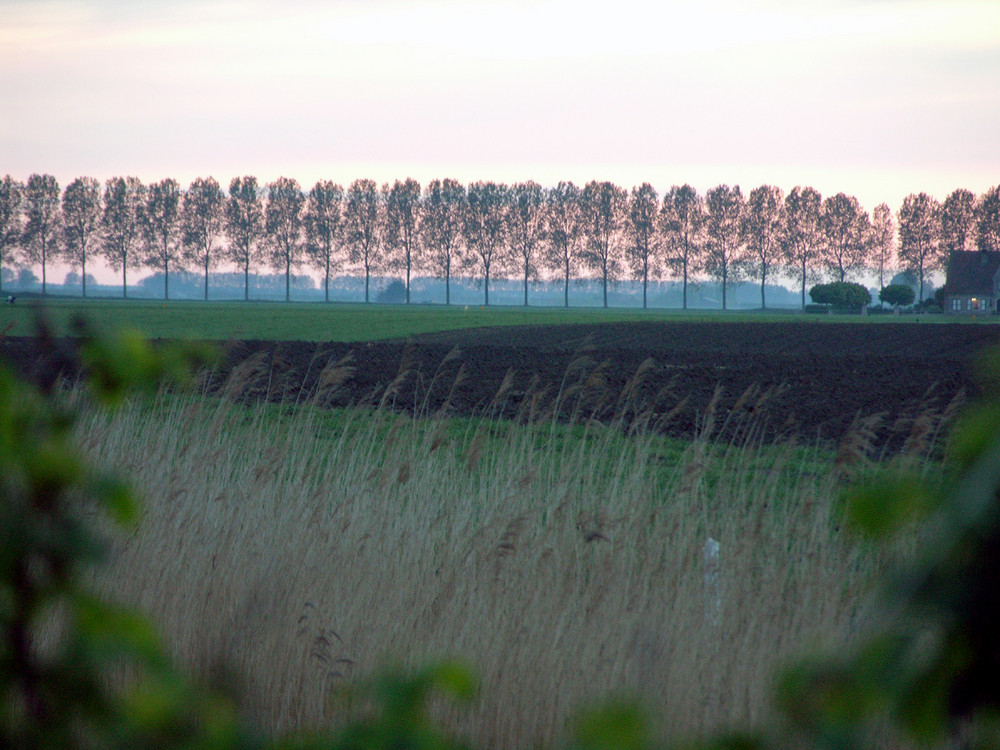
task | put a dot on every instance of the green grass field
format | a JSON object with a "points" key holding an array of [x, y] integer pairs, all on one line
{"points": [[355, 322]]}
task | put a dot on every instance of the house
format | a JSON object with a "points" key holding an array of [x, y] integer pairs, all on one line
{"points": [[972, 283]]}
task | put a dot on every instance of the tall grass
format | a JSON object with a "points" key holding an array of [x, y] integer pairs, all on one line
{"points": [[301, 548]]}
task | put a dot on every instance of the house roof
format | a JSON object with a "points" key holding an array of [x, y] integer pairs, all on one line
{"points": [[971, 272]]}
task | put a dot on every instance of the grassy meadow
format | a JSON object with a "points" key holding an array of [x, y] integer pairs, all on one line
{"points": [[221, 321], [299, 548]]}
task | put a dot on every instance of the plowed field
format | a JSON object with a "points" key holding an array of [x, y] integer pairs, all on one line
{"points": [[806, 379]]}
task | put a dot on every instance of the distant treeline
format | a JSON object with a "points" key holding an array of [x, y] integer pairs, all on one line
{"points": [[486, 230]]}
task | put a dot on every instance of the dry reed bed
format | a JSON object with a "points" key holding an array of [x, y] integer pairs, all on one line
{"points": [[564, 563]]}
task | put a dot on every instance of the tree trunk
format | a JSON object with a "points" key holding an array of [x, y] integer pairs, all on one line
{"points": [[763, 281], [368, 275], [803, 281], [206, 277], [43, 267], [407, 277], [725, 276], [326, 278], [166, 279], [525, 282], [566, 291], [487, 286], [604, 284], [83, 276], [288, 277], [447, 281], [124, 280], [246, 281], [645, 283], [684, 289]]}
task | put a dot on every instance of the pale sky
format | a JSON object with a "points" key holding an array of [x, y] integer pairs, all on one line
{"points": [[873, 98]]}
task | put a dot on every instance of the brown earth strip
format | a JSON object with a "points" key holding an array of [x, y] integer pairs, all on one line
{"points": [[805, 379]]}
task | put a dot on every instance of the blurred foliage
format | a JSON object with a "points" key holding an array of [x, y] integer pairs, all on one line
{"points": [[59, 641], [927, 673], [929, 670]]}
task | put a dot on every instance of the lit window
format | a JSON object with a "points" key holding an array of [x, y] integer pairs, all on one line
{"points": [[974, 304]]}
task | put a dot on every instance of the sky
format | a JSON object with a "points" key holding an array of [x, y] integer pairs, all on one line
{"points": [[876, 98]]}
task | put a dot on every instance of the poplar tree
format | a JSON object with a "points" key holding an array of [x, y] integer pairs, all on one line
{"points": [[486, 226], [845, 231], [682, 222], [162, 227], [724, 256], [202, 221], [444, 207], [41, 226], [322, 221], [883, 241], [362, 225], [920, 236], [761, 226], [564, 230], [11, 218], [643, 239], [604, 207], [283, 226], [402, 208], [81, 210], [988, 220], [527, 221], [958, 221], [802, 234], [244, 225], [121, 224]]}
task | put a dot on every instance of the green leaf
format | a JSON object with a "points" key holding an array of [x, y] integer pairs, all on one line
{"points": [[118, 498], [973, 434], [881, 506], [619, 725], [456, 679], [112, 631]]}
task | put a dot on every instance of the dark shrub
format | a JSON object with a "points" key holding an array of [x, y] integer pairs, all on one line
{"points": [[898, 295], [393, 294], [841, 295]]}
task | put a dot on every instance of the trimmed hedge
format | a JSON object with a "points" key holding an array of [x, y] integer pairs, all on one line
{"points": [[841, 295]]}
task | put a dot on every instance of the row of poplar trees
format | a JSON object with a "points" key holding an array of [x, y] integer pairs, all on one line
{"points": [[486, 229]]}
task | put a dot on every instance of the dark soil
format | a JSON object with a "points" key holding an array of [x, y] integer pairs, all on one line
{"points": [[805, 379]]}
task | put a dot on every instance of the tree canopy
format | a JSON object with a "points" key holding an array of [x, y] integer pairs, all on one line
{"points": [[202, 221], [41, 226], [81, 215], [121, 224], [920, 236], [897, 295], [724, 250]]}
